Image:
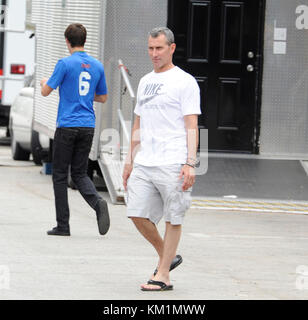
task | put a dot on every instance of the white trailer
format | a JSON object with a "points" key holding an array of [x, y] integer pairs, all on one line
{"points": [[117, 29], [271, 54], [17, 49]]}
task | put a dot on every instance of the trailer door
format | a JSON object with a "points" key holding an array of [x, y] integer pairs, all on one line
{"points": [[2, 12], [219, 43]]}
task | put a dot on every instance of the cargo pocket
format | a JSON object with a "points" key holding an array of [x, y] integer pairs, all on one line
{"points": [[186, 200], [178, 202]]}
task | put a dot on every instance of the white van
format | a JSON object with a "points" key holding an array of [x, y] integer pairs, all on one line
{"points": [[17, 50]]}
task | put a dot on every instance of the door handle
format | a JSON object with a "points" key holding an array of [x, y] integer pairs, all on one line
{"points": [[250, 68]]}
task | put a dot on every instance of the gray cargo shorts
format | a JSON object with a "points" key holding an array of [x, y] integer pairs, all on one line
{"points": [[154, 192]]}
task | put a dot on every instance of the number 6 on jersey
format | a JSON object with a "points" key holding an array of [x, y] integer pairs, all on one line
{"points": [[84, 85]]}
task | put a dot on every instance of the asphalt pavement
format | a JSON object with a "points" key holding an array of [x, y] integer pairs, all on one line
{"points": [[226, 254]]}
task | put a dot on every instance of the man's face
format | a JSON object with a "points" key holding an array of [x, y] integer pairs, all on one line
{"points": [[160, 52]]}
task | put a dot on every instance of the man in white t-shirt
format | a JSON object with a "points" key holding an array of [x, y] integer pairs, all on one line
{"points": [[159, 170]]}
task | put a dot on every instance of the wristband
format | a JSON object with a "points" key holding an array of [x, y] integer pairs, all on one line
{"points": [[189, 164], [195, 162]]}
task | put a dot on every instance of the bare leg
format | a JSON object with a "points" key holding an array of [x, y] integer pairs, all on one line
{"points": [[170, 244], [150, 232]]}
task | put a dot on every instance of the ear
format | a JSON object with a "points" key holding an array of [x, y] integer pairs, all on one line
{"points": [[173, 46], [67, 43]]}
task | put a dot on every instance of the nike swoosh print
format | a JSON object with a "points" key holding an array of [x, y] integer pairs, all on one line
{"points": [[146, 100]]}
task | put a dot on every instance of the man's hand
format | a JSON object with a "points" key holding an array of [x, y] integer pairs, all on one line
{"points": [[189, 176], [43, 81], [126, 173]]}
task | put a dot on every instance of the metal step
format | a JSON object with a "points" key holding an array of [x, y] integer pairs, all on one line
{"points": [[112, 168]]}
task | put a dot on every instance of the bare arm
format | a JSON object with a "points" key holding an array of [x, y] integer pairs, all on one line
{"points": [[191, 126], [45, 89], [100, 98], [133, 149], [135, 141]]}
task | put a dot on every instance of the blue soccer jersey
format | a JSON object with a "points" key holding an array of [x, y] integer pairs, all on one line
{"points": [[79, 77]]}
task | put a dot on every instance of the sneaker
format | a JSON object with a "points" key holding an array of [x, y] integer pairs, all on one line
{"points": [[58, 232], [102, 215]]}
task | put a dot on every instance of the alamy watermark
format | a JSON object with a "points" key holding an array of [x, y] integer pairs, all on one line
{"points": [[301, 282], [117, 143], [4, 277]]}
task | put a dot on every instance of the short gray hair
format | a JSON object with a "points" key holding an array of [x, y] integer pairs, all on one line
{"points": [[154, 33]]}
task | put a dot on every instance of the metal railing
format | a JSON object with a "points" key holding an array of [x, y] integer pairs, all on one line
{"points": [[122, 125], [111, 160]]}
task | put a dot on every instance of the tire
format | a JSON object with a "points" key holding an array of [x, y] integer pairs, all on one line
{"points": [[8, 134], [36, 148], [92, 166], [97, 178], [18, 153]]}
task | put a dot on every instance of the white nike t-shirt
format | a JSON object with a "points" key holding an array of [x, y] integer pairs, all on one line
{"points": [[163, 99]]}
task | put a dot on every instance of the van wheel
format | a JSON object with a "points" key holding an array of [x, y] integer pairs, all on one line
{"points": [[18, 153], [8, 134], [36, 148]]}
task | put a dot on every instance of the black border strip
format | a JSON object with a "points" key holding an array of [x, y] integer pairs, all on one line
{"points": [[258, 92]]}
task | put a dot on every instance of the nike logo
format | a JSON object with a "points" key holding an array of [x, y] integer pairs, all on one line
{"points": [[146, 100]]}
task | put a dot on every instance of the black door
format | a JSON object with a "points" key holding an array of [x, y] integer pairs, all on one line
{"points": [[220, 43]]}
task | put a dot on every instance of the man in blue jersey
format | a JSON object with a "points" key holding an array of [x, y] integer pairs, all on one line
{"points": [[81, 80]]}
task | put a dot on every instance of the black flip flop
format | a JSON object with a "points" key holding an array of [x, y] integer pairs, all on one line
{"points": [[177, 260], [162, 285]]}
